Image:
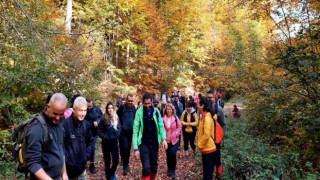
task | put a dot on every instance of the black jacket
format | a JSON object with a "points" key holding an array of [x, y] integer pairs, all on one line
{"points": [[107, 132], [126, 117], [78, 142], [49, 157], [93, 115]]}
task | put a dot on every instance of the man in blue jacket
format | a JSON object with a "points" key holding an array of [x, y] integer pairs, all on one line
{"points": [[93, 115], [78, 140], [126, 114], [46, 160]]}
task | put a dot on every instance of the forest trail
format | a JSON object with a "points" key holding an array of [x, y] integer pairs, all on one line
{"points": [[186, 170]]}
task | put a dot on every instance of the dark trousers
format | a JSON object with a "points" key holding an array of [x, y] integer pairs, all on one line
{"points": [[218, 163], [110, 151], [93, 152], [208, 163], [125, 141], [172, 156], [149, 158], [189, 137]]}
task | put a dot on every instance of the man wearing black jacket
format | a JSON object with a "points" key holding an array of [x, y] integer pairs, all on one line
{"points": [[78, 140], [46, 160], [126, 114], [93, 115]]}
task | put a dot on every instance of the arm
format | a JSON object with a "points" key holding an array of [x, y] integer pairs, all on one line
{"points": [[64, 170], [34, 143], [136, 126], [195, 123], [89, 141], [177, 132], [161, 126], [113, 133], [101, 130]]}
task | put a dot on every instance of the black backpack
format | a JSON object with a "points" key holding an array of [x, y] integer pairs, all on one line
{"points": [[19, 133]]}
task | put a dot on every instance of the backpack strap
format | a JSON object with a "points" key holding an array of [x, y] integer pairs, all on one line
{"points": [[43, 123], [175, 119]]}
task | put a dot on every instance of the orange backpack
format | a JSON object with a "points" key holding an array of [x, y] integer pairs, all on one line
{"points": [[218, 133]]}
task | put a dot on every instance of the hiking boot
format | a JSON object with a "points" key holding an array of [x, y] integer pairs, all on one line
{"points": [[173, 174], [186, 158], [92, 168], [126, 170], [169, 173], [114, 177]]}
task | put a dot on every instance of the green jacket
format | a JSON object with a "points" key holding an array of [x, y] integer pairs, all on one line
{"points": [[138, 127]]}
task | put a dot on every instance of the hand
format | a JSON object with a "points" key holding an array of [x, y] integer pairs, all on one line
{"points": [[95, 123], [164, 144], [65, 176], [137, 155]]}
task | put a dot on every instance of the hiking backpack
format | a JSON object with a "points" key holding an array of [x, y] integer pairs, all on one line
{"points": [[221, 103], [19, 133]]}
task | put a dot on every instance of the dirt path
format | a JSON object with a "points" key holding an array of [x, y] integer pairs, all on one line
{"points": [[186, 170]]}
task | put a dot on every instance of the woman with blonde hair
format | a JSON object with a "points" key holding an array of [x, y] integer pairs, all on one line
{"points": [[173, 128]]}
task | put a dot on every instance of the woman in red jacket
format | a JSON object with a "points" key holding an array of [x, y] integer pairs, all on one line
{"points": [[173, 128]]}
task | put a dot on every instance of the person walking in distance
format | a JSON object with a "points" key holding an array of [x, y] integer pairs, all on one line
{"points": [[126, 114], [93, 115], [148, 133], [109, 130], [173, 128], [189, 121]]}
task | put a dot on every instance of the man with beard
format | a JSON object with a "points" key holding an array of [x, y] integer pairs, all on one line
{"points": [[93, 115], [126, 114]]}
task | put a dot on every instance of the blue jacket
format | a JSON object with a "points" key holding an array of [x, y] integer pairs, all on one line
{"points": [[93, 115], [78, 142], [48, 157]]}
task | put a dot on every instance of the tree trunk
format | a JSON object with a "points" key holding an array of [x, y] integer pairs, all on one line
{"points": [[69, 16]]}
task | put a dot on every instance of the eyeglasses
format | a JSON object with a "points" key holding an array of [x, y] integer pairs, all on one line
{"points": [[209, 97]]}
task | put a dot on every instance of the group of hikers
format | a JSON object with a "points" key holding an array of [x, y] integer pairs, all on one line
{"points": [[151, 124]]}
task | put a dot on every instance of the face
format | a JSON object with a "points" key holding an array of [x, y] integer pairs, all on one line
{"points": [[189, 109], [200, 107], [210, 97], [110, 109], [55, 111], [79, 112], [129, 101], [176, 99], [147, 103], [169, 111], [90, 105]]}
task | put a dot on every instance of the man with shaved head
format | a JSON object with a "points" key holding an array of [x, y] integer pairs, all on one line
{"points": [[45, 160]]}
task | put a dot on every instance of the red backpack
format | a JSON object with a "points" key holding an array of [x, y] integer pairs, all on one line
{"points": [[218, 133]]}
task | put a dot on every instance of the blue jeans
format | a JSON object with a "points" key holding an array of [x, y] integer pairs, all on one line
{"points": [[149, 158]]}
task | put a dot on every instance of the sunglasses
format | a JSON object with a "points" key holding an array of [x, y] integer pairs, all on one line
{"points": [[130, 100]]}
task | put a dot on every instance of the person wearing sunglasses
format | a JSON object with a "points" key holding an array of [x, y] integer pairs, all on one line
{"points": [[126, 114]]}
